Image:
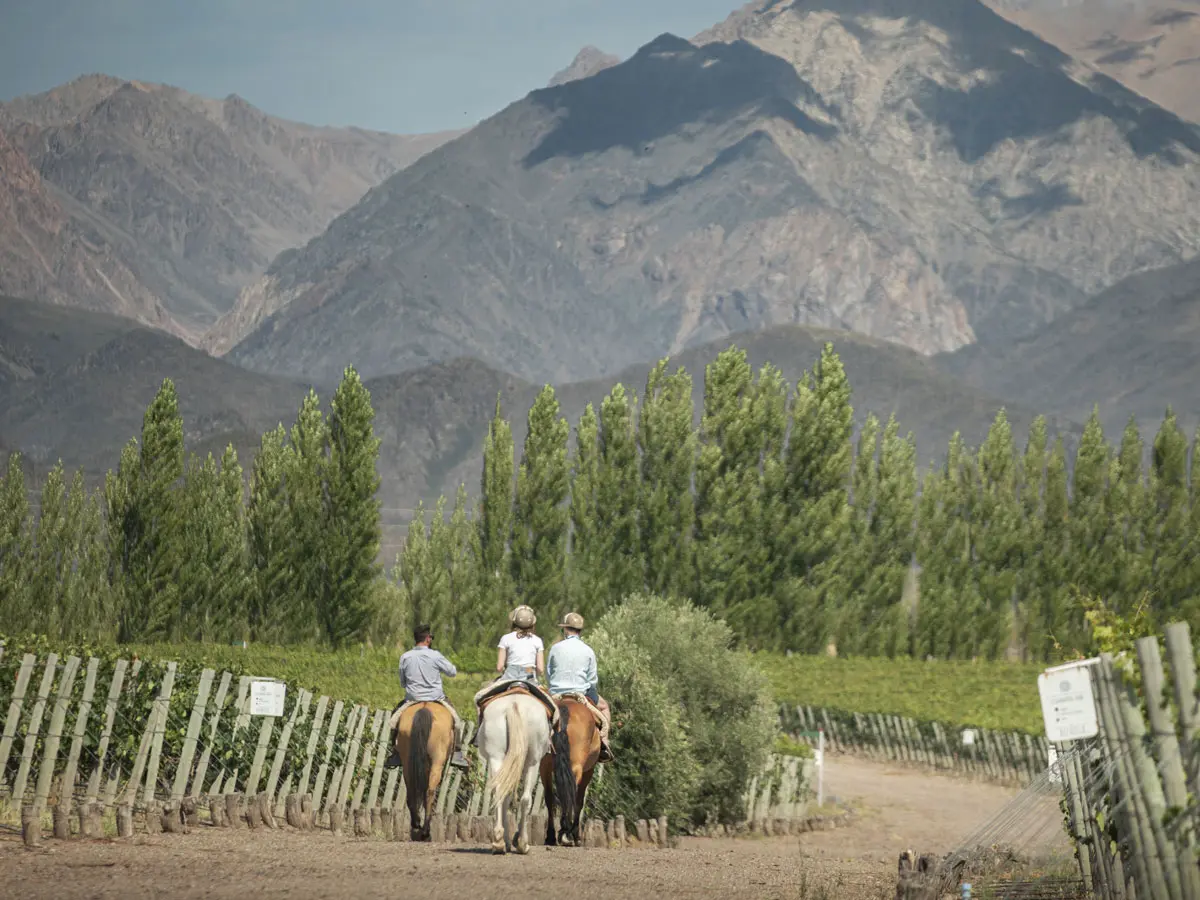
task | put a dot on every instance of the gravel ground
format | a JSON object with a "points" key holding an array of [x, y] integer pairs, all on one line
{"points": [[897, 808]]}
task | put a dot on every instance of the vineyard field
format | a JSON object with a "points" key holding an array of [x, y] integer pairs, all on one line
{"points": [[997, 695]]}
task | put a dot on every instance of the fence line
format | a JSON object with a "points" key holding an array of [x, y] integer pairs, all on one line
{"points": [[1131, 789], [160, 740], [1007, 757]]}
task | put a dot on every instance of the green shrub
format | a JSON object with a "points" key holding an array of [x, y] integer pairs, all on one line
{"points": [[725, 709], [786, 745]]}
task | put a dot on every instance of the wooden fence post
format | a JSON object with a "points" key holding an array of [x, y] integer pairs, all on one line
{"points": [[13, 720], [110, 712], [34, 728], [183, 770], [162, 707], [81, 720], [214, 720], [54, 734]]}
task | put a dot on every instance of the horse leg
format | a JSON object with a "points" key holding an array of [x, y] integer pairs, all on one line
{"points": [[547, 773], [524, 805], [498, 835], [583, 780]]}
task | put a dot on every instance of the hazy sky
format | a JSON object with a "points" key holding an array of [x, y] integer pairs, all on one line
{"points": [[394, 65]]}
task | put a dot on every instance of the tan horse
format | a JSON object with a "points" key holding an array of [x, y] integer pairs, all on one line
{"points": [[423, 738], [567, 772]]}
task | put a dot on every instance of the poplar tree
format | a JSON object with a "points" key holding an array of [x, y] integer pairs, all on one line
{"points": [[495, 519], [617, 526], [1033, 593], [1061, 622], [585, 556], [462, 577], [997, 548], [50, 557], [1087, 533], [14, 537], [352, 513], [667, 439], [540, 513], [815, 486], [1169, 543], [308, 550], [272, 613]]}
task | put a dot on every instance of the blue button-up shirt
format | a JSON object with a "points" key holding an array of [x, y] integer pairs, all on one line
{"points": [[421, 671], [571, 666]]}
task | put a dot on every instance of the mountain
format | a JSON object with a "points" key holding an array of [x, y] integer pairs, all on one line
{"points": [[1152, 47], [84, 381], [1132, 349], [587, 63], [917, 171], [47, 252], [193, 196]]}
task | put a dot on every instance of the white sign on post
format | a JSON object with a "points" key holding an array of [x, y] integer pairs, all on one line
{"points": [[1068, 707], [266, 697], [968, 737]]}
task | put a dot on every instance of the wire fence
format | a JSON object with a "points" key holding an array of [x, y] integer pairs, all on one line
{"points": [[1004, 757], [91, 744]]}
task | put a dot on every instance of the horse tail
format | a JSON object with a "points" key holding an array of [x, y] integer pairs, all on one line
{"points": [[417, 766], [508, 779], [564, 777]]}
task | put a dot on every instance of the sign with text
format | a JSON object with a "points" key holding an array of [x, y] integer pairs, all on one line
{"points": [[1068, 707], [266, 698]]}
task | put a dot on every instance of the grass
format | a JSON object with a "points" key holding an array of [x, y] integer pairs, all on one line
{"points": [[997, 695]]}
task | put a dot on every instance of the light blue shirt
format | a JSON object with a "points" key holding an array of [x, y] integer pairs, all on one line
{"points": [[421, 671], [571, 666]]}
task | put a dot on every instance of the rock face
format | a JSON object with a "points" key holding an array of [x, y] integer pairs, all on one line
{"points": [[47, 252], [917, 171], [587, 63], [1150, 46], [195, 196]]}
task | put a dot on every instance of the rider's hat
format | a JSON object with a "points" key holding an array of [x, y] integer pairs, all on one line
{"points": [[522, 617], [572, 620]]}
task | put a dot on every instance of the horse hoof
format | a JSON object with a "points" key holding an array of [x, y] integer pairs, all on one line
{"points": [[498, 849], [522, 846]]}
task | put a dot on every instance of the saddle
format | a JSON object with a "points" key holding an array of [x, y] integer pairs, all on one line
{"points": [[580, 698], [506, 686]]}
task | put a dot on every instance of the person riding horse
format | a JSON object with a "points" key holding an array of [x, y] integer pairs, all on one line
{"points": [[520, 653], [571, 669], [421, 671]]}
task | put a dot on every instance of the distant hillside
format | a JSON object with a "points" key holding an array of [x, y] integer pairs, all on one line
{"points": [[1133, 349], [191, 196], [88, 380]]}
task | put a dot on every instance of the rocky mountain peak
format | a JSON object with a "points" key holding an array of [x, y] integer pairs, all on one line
{"points": [[587, 63]]}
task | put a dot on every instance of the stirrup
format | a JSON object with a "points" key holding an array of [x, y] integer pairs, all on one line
{"points": [[459, 760]]}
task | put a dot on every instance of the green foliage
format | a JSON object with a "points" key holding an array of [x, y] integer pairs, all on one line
{"points": [[540, 516], [727, 716]]}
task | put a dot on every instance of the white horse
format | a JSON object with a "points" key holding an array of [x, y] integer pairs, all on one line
{"points": [[514, 735]]}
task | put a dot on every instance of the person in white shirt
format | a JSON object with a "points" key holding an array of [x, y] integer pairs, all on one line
{"points": [[521, 654]]}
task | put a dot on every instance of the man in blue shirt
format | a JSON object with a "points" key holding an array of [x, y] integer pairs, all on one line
{"points": [[571, 669], [421, 671]]}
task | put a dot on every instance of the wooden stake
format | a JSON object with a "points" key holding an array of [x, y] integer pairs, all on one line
{"points": [[31, 826]]}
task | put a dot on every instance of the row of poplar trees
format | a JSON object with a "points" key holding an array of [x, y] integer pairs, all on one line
{"points": [[177, 548], [772, 513], [776, 516]]}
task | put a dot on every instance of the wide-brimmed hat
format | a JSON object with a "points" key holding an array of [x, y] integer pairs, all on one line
{"points": [[572, 620], [522, 617]]}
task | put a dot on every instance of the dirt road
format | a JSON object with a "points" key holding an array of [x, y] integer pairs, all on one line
{"points": [[897, 808]]}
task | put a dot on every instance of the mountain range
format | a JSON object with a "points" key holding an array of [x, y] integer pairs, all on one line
{"points": [[161, 205], [974, 215], [916, 171]]}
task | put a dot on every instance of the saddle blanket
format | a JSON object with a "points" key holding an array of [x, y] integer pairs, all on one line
{"points": [[601, 719], [394, 719], [503, 686]]}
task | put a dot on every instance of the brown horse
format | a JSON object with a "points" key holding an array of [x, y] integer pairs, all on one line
{"points": [[567, 772], [423, 739]]}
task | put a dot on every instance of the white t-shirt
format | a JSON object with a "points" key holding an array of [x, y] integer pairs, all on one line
{"points": [[522, 651]]}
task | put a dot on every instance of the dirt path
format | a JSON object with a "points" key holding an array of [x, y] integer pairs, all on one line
{"points": [[897, 808]]}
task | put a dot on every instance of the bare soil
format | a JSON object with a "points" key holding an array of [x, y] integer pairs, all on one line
{"points": [[897, 808]]}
